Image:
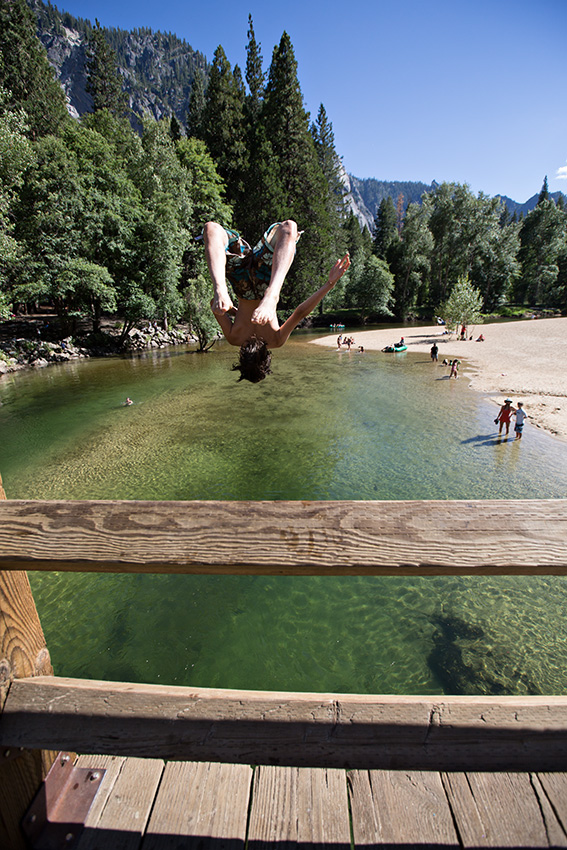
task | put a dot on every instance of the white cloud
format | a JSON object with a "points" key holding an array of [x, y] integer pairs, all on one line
{"points": [[562, 173]]}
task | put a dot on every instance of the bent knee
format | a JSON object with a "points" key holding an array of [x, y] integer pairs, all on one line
{"points": [[213, 229]]}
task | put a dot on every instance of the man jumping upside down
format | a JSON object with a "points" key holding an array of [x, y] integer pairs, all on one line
{"points": [[257, 276]]}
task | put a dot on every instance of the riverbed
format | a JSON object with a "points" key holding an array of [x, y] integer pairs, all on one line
{"points": [[323, 426]]}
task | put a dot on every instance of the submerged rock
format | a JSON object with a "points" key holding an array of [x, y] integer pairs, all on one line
{"points": [[466, 660]]}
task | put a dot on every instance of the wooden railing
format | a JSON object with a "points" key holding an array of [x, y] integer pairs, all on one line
{"points": [[287, 538], [43, 712]]}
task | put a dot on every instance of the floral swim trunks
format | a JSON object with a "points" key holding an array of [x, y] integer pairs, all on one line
{"points": [[249, 270]]}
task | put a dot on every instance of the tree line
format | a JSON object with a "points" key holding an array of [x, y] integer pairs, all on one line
{"points": [[96, 218]]}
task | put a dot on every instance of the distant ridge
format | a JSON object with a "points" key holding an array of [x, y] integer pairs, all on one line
{"points": [[158, 70], [367, 193]]}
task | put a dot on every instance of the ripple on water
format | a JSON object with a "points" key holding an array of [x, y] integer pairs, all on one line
{"points": [[322, 427]]}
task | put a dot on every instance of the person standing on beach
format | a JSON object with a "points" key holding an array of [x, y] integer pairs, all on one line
{"points": [[521, 416], [454, 369], [504, 416], [434, 352]]}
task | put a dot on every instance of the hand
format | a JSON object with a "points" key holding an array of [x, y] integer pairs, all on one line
{"points": [[339, 269], [221, 304]]}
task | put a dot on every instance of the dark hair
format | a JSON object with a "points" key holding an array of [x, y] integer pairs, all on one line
{"points": [[254, 361]]}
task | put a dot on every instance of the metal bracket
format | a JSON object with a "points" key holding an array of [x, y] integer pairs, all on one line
{"points": [[56, 818]]}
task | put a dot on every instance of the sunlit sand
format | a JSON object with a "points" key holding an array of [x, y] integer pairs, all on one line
{"points": [[526, 361]]}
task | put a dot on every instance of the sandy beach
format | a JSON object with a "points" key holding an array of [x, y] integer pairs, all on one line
{"points": [[525, 360]]}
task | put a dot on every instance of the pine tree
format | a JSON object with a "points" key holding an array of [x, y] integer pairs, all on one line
{"points": [[255, 76], [196, 107], [223, 124], [174, 129], [302, 188], [385, 228], [26, 73], [331, 166], [103, 80], [258, 204], [544, 193]]}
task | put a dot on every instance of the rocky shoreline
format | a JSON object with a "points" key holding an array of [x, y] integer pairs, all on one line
{"points": [[19, 353]]}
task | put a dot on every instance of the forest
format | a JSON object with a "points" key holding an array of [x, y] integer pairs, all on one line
{"points": [[97, 219]]}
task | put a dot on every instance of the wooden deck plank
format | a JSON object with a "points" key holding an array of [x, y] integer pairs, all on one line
{"points": [[292, 806], [301, 730], [551, 804], [496, 810], [122, 806], [205, 805], [555, 788], [285, 537], [409, 808]]}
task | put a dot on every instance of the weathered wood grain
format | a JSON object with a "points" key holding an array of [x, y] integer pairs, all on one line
{"points": [[299, 807], [496, 810], [22, 643], [408, 808], [551, 806], [308, 730], [206, 804], [22, 653], [555, 788], [308, 538], [121, 809]]}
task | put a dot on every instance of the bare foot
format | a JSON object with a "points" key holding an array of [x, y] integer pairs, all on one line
{"points": [[265, 312]]}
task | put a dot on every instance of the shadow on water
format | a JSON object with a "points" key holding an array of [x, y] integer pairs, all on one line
{"points": [[467, 660], [486, 440]]}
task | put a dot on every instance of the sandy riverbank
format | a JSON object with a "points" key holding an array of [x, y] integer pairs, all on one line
{"points": [[526, 361]]}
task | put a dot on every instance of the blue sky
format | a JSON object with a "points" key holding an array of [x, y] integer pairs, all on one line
{"points": [[470, 91]]}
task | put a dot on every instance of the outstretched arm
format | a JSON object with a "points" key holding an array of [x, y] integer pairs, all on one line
{"points": [[310, 303]]}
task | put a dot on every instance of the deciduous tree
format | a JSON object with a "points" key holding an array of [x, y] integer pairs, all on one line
{"points": [[463, 306]]}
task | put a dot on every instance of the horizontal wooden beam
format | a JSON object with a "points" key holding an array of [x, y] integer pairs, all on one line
{"points": [[317, 730], [285, 538]]}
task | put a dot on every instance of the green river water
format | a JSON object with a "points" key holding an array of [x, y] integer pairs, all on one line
{"points": [[325, 425]]}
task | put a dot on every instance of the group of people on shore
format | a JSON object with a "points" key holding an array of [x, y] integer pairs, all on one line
{"points": [[347, 341], [505, 416]]}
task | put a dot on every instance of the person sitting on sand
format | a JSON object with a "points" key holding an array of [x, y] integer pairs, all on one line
{"points": [[480, 338], [257, 276], [505, 415]]}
